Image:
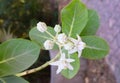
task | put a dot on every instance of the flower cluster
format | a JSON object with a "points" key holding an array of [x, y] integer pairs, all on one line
{"points": [[69, 44]]}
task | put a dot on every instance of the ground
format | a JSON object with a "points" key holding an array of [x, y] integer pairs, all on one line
{"points": [[99, 72]]}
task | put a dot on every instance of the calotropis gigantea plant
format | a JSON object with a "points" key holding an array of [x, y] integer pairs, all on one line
{"points": [[75, 38]]}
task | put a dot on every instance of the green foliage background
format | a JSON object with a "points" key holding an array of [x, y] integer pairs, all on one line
{"points": [[21, 15]]}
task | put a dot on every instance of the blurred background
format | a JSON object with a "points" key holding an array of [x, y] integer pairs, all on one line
{"points": [[17, 17]]}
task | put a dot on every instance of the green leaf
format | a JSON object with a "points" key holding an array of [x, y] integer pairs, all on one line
{"points": [[74, 18], [13, 79], [97, 48], [17, 55], [92, 24], [40, 37], [76, 65]]}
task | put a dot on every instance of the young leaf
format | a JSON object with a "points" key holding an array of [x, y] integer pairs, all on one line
{"points": [[13, 79], [97, 48], [92, 24], [40, 37], [17, 55], [76, 65], [74, 18]]}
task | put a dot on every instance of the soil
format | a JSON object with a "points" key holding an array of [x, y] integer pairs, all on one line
{"points": [[98, 71]]}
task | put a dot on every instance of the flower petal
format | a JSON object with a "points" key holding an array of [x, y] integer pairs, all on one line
{"points": [[60, 68], [81, 45], [70, 60], [79, 53], [72, 50], [79, 39], [62, 56], [70, 67], [73, 40], [62, 38]]}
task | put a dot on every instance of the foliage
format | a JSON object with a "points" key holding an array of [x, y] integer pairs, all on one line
{"points": [[92, 24], [22, 15], [21, 50], [76, 19], [40, 37], [12, 79], [5, 35], [17, 15]]}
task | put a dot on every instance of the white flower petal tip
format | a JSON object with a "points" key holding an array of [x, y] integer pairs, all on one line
{"points": [[79, 53], [70, 60], [48, 44], [63, 63], [41, 26], [57, 28], [58, 71], [78, 37], [62, 38], [81, 45], [70, 67]]}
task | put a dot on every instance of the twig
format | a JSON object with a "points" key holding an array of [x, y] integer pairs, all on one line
{"points": [[38, 68]]}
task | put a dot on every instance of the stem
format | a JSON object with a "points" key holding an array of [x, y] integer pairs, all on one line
{"points": [[50, 34], [38, 68], [60, 50], [68, 55]]}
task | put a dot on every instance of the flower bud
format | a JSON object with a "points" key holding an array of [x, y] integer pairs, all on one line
{"points": [[68, 45], [48, 44], [62, 38], [41, 26], [57, 28]]}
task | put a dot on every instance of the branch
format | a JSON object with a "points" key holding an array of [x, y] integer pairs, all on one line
{"points": [[38, 68]]}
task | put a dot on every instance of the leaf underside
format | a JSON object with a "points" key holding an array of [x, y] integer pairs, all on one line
{"points": [[12, 79], [17, 55], [97, 48]]}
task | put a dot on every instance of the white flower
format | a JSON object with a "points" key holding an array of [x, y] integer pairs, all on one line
{"points": [[48, 44], [78, 46], [63, 63], [62, 38], [57, 28], [69, 45], [41, 26]]}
